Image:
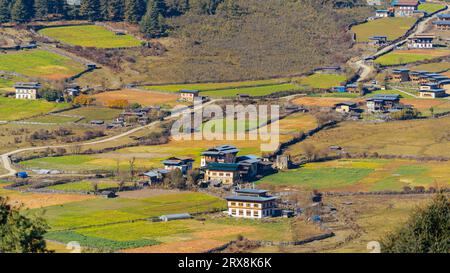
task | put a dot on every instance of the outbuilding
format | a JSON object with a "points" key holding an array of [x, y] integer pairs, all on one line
{"points": [[172, 217]]}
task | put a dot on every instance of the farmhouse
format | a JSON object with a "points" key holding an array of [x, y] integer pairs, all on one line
{"points": [[404, 7], [382, 13], [378, 40], [251, 203], [27, 90], [248, 166], [220, 154], [382, 102], [345, 107], [184, 164], [445, 84], [415, 76], [189, 95], [225, 173], [400, 75], [443, 22], [428, 86], [152, 177], [421, 41], [339, 89], [432, 93]]}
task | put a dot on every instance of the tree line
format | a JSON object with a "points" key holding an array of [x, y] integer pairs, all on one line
{"points": [[149, 14]]}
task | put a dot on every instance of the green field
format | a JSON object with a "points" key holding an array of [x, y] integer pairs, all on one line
{"points": [[392, 27], [432, 67], [213, 86], [105, 211], [53, 119], [323, 81], [90, 36], [14, 109], [84, 186], [253, 91], [39, 63], [405, 56], [94, 113], [430, 7], [389, 91], [361, 175]]}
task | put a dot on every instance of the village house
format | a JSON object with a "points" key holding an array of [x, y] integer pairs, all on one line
{"points": [[189, 95], [382, 102], [428, 86], [248, 166], [345, 107], [224, 173], [382, 13], [445, 84], [329, 70], [400, 75], [339, 89], [184, 164], [432, 93], [219, 154], [251, 203], [153, 177], [404, 7], [443, 22], [415, 76], [421, 41], [378, 40], [27, 90]]}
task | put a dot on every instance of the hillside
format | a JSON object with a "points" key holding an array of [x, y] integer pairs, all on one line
{"points": [[246, 40]]}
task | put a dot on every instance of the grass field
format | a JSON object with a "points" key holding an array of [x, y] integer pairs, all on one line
{"points": [[412, 137], [389, 91], [84, 186], [214, 86], [323, 81], [432, 67], [39, 63], [151, 156], [13, 109], [94, 113], [53, 119], [90, 36], [253, 91], [410, 56], [392, 27], [363, 175], [430, 7], [145, 98], [106, 211]]}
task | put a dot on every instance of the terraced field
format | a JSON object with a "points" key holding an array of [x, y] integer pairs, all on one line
{"points": [[39, 63], [393, 28], [363, 175], [13, 109], [90, 36], [151, 156], [410, 56], [414, 137], [323, 81]]}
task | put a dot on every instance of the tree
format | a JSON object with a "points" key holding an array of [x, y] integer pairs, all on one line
{"points": [[5, 15], [90, 9], [19, 233], [84, 100], [41, 9], [134, 9], [432, 111], [426, 231], [20, 12], [116, 10], [176, 180], [117, 103], [152, 24], [193, 176]]}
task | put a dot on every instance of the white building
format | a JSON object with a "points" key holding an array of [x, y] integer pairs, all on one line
{"points": [[27, 90], [405, 7], [251, 203], [421, 41]]}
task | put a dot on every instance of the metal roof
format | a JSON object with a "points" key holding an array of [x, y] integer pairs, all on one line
{"points": [[27, 85], [383, 97], [250, 198], [223, 167], [251, 191], [189, 91]]}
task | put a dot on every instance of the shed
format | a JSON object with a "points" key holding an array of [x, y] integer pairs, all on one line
{"points": [[171, 217], [22, 175]]}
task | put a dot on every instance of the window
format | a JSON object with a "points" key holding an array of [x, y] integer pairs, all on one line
{"points": [[248, 213], [241, 204], [233, 204], [233, 212], [256, 213], [249, 205]]}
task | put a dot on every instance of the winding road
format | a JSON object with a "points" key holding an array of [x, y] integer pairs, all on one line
{"points": [[6, 162]]}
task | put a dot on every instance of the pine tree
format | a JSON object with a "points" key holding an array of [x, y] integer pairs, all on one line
{"points": [[104, 5], [116, 10], [5, 14], [41, 9], [134, 10], [19, 12], [90, 9], [152, 24]]}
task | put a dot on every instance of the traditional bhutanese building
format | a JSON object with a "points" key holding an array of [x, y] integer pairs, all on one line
{"points": [[251, 203], [27, 90], [220, 154]]}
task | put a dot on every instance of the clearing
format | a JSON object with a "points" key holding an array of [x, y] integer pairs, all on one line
{"points": [[399, 57], [90, 36], [15, 109], [393, 28], [144, 98]]}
